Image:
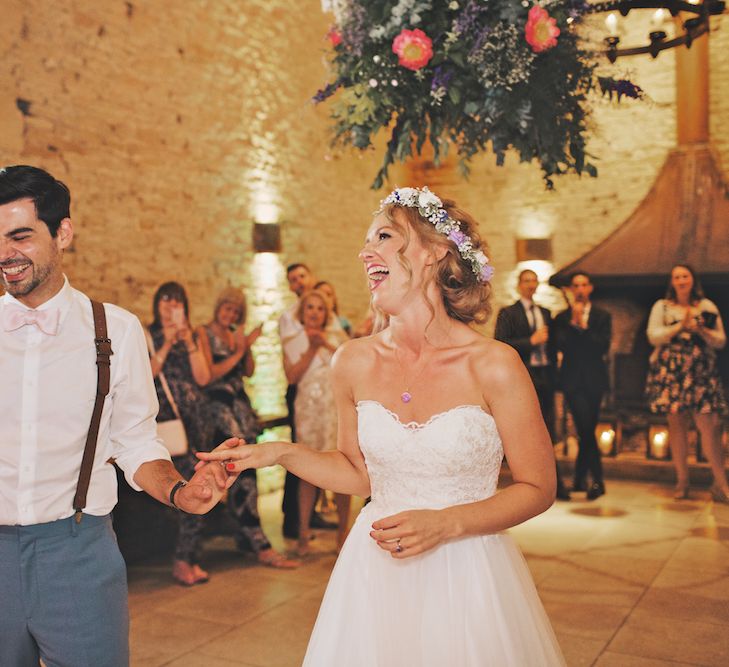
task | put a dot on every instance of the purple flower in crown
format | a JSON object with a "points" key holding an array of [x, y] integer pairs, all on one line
{"points": [[457, 236], [487, 272]]}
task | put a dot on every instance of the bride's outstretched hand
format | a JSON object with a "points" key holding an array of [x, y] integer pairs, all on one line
{"points": [[239, 456], [410, 533]]}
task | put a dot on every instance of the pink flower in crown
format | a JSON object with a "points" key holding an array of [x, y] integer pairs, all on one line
{"points": [[334, 36], [541, 30], [414, 49]]}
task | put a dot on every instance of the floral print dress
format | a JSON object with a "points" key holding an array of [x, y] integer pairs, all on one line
{"points": [[229, 411], [191, 402], [683, 375]]}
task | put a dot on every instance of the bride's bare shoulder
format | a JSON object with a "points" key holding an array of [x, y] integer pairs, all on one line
{"points": [[357, 353], [494, 360]]}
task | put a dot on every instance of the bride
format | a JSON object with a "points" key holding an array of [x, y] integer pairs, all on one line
{"points": [[427, 409]]}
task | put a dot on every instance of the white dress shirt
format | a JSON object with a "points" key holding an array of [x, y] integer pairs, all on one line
{"points": [[47, 396], [538, 356]]}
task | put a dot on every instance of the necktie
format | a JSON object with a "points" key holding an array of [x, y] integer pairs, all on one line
{"points": [[14, 317], [533, 321]]}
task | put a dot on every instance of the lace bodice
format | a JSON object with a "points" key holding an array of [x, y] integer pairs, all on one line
{"points": [[453, 458]]}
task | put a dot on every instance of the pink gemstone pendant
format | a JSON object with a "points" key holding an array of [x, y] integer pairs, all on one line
{"points": [[406, 397]]}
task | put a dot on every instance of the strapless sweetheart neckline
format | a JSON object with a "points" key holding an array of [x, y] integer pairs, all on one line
{"points": [[415, 425]]}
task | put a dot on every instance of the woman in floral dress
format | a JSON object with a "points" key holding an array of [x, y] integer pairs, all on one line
{"points": [[683, 380], [228, 352], [175, 352]]}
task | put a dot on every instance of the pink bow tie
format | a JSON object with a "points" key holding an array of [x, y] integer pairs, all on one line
{"points": [[14, 317]]}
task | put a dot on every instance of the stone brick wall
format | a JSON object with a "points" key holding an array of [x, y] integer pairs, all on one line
{"points": [[176, 123]]}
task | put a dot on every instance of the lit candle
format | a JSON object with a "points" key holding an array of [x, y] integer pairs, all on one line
{"points": [[660, 444], [611, 21], [658, 17]]}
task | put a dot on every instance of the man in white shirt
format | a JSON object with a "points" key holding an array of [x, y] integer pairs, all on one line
{"points": [[582, 333], [62, 578]]}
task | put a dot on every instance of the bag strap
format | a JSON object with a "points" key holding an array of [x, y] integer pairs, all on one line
{"points": [[103, 369], [161, 376]]}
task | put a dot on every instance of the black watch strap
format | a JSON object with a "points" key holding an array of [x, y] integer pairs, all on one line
{"points": [[174, 490]]}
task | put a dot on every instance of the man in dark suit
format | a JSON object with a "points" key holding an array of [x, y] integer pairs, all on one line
{"points": [[525, 326], [582, 334]]}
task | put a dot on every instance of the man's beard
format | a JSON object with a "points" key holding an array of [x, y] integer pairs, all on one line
{"points": [[24, 287]]}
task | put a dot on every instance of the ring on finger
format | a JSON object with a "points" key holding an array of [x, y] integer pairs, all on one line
{"points": [[398, 546]]}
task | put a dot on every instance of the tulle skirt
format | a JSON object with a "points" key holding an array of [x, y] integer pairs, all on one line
{"points": [[467, 603]]}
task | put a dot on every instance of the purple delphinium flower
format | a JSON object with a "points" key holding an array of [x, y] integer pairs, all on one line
{"points": [[465, 21], [327, 91], [457, 236], [441, 78]]}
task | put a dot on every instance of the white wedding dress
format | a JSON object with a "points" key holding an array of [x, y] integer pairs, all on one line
{"points": [[467, 603]]}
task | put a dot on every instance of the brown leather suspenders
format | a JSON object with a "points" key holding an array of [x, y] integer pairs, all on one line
{"points": [[103, 366]]}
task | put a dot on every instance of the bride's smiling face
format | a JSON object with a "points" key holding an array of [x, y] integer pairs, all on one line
{"points": [[390, 283]]}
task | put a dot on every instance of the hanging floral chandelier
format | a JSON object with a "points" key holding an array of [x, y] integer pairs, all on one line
{"points": [[502, 75]]}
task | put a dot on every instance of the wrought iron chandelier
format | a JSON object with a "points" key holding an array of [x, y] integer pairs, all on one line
{"points": [[698, 13]]}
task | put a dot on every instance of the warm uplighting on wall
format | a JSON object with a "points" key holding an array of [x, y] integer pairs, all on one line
{"points": [[658, 443], [267, 298], [606, 439], [263, 196]]}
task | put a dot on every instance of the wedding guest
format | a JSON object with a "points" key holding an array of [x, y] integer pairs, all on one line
{"points": [[300, 279], [427, 408], [63, 586], [227, 350], [307, 364], [526, 327], [582, 334], [177, 357], [683, 381], [328, 290]]}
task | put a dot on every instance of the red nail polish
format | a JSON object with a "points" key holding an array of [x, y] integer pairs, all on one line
{"points": [[230, 466]]}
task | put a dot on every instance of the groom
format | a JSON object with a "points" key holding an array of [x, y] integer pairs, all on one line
{"points": [[63, 588]]}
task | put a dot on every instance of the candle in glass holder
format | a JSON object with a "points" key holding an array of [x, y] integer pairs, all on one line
{"points": [[611, 21]]}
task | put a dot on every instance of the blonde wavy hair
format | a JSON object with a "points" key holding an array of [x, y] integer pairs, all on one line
{"points": [[317, 294], [465, 298], [235, 297]]}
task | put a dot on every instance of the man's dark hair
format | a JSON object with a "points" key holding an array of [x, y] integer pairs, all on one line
{"points": [[51, 197], [574, 275], [524, 272], [297, 265]]}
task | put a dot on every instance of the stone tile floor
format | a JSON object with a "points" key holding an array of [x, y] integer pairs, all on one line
{"points": [[634, 579]]}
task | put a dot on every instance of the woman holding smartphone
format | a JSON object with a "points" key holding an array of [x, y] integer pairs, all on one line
{"points": [[683, 379], [175, 354], [227, 350]]}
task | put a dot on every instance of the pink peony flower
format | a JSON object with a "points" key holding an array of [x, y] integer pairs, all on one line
{"points": [[334, 36], [541, 30], [414, 48]]}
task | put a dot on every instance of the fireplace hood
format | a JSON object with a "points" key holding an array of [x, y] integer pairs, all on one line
{"points": [[684, 218]]}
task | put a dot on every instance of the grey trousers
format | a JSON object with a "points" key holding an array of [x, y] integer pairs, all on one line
{"points": [[63, 588]]}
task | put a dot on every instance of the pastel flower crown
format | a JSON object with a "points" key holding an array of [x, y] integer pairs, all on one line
{"points": [[431, 208]]}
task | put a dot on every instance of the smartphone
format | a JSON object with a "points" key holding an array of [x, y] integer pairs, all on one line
{"points": [[708, 319], [178, 317]]}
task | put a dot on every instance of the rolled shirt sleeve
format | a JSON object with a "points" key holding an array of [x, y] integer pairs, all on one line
{"points": [[133, 427]]}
